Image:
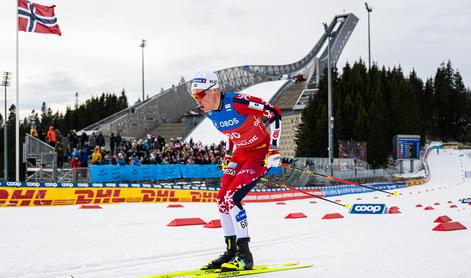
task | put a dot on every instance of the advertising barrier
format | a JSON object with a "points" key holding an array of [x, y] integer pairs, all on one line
{"points": [[329, 191], [13, 194], [281, 195], [53, 196], [417, 182], [115, 173], [77, 196], [368, 209], [466, 200]]}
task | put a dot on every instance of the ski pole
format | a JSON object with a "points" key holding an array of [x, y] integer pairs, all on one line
{"points": [[302, 191], [336, 179]]}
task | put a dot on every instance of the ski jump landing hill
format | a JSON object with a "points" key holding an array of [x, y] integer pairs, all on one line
{"points": [[174, 108], [134, 240]]}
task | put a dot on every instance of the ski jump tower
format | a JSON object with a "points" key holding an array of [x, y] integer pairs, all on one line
{"points": [[172, 107]]}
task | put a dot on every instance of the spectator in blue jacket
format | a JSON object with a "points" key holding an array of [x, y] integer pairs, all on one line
{"points": [[68, 156], [84, 155], [121, 160], [75, 152]]}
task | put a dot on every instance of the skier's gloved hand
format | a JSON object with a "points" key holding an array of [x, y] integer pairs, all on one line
{"points": [[226, 161], [272, 159]]}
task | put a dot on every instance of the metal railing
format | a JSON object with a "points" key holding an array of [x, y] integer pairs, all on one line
{"points": [[40, 159], [75, 175], [34, 146], [344, 168], [322, 163]]}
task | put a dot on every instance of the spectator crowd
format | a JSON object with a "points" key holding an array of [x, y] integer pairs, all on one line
{"points": [[84, 150]]}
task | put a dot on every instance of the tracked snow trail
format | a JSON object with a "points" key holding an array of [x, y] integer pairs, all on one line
{"points": [[132, 240]]}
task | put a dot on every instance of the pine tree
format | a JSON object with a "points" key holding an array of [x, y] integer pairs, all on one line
{"points": [[376, 137], [429, 111], [443, 92], [376, 105], [305, 141], [360, 128]]}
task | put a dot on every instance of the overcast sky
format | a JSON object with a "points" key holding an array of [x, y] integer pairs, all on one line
{"points": [[99, 48]]}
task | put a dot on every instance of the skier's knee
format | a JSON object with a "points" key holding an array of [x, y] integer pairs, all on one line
{"points": [[241, 193], [237, 200]]}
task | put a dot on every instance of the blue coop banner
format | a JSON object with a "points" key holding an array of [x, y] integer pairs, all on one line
{"points": [[166, 172], [114, 173], [210, 171], [190, 171]]}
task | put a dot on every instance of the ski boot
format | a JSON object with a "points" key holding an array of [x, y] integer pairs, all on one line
{"points": [[243, 259], [231, 249]]}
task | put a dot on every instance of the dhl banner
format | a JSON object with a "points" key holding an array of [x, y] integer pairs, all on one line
{"points": [[417, 182], [451, 146], [18, 194], [256, 197], [21, 196]]}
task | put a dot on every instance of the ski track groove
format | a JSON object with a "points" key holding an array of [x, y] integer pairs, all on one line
{"points": [[143, 261]]}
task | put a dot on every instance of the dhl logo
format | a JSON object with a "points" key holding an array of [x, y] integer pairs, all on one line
{"points": [[203, 197], [159, 195], [169, 196], [419, 182], [21, 197], [100, 196]]}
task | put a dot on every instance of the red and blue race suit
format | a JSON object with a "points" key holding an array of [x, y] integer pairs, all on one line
{"points": [[241, 117]]}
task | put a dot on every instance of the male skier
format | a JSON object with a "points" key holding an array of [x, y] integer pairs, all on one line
{"points": [[240, 117]]}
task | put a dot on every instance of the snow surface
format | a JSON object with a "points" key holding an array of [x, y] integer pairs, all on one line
{"points": [[205, 131], [132, 240]]}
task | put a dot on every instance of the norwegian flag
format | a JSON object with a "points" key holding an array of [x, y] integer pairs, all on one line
{"points": [[37, 18]]}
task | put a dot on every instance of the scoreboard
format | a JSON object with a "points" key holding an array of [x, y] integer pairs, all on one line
{"points": [[406, 147]]}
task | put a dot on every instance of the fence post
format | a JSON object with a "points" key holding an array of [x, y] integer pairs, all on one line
{"points": [[41, 167], [54, 168]]}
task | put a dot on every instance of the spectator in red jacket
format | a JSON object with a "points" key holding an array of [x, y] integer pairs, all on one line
{"points": [[75, 163], [51, 136]]}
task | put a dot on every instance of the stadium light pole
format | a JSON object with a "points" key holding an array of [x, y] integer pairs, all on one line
{"points": [[369, 10], [330, 120], [143, 44], [5, 83]]}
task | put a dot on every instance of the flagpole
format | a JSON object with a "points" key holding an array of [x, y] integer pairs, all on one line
{"points": [[17, 116]]}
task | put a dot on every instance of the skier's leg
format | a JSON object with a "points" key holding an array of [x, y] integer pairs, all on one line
{"points": [[226, 221], [245, 179], [236, 210], [251, 169]]}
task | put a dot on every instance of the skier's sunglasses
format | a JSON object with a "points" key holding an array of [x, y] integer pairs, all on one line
{"points": [[202, 94]]}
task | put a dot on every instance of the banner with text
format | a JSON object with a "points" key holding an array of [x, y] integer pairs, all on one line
{"points": [[114, 173]]}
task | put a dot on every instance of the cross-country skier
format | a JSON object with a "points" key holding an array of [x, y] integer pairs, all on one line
{"points": [[240, 117]]}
